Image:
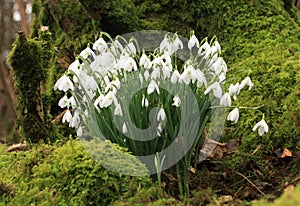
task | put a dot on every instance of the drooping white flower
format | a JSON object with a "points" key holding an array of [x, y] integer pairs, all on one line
{"points": [[146, 75], [177, 44], [205, 50], [130, 64], [262, 127], [188, 75], [152, 86], [217, 46], [99, 101], [145, 102], [64, 84], [233, 115], [108, 99], [161, 115], [176, 101], [234, 90], [192, 42], [74, 66], [118, 110], [79, 132], [155, 73], [217, 66], [225, 100], [216, 89], [166, 59], [75, 119], [166, 45], [167, 68], [124, 128], [222, 76], [100, 45], [63, 102], [159, 129], [87, 52], [176, 77], [247, 81], [145, 61], [200, 78], [130, 49], [67, 116]]}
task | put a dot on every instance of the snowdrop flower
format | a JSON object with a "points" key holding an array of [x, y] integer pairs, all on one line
{"points": [[79, 132], [155, 73], [130, 65], [100, 45], [175, 77], [192, 42], [225, 100], [152, 86], [200, 78], [188, 75], [217, 66], [74, 66], [99, 101], [86, 53], [124, 128], [222, 77], [118, 110], [161, 115], [217, 47], [108, 99], [176, 101], [204, 49], [75, 120], [64, 84], [146, 75], [130, 49], [247, 81], [145, 102], [234, 115], [234, 90], [166, 59], [67, 117], [216, 89], [262, 127], [177, 44], [159, 130], [72, 101], [145, 61], [63, 102], [166, 45], [167, 70]]}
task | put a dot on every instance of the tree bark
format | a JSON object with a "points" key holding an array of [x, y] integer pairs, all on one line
{"points": [[24, 18]]}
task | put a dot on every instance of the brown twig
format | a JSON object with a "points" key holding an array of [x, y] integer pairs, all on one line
{"points": [[261, 192], [295, 180]]}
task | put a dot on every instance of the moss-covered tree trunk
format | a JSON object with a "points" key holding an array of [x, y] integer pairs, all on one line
{"points": [[29, 61]]}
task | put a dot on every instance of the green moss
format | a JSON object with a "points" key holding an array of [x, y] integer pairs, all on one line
{"points": [[62, 175]]}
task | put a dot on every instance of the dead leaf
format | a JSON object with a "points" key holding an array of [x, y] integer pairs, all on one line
{"points": [[283, 153]]}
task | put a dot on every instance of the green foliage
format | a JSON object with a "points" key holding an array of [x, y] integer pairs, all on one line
{"points": [[62, 175]]}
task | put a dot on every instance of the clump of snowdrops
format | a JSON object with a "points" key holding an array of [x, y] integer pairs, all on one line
{"points": [[149, 101]]}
